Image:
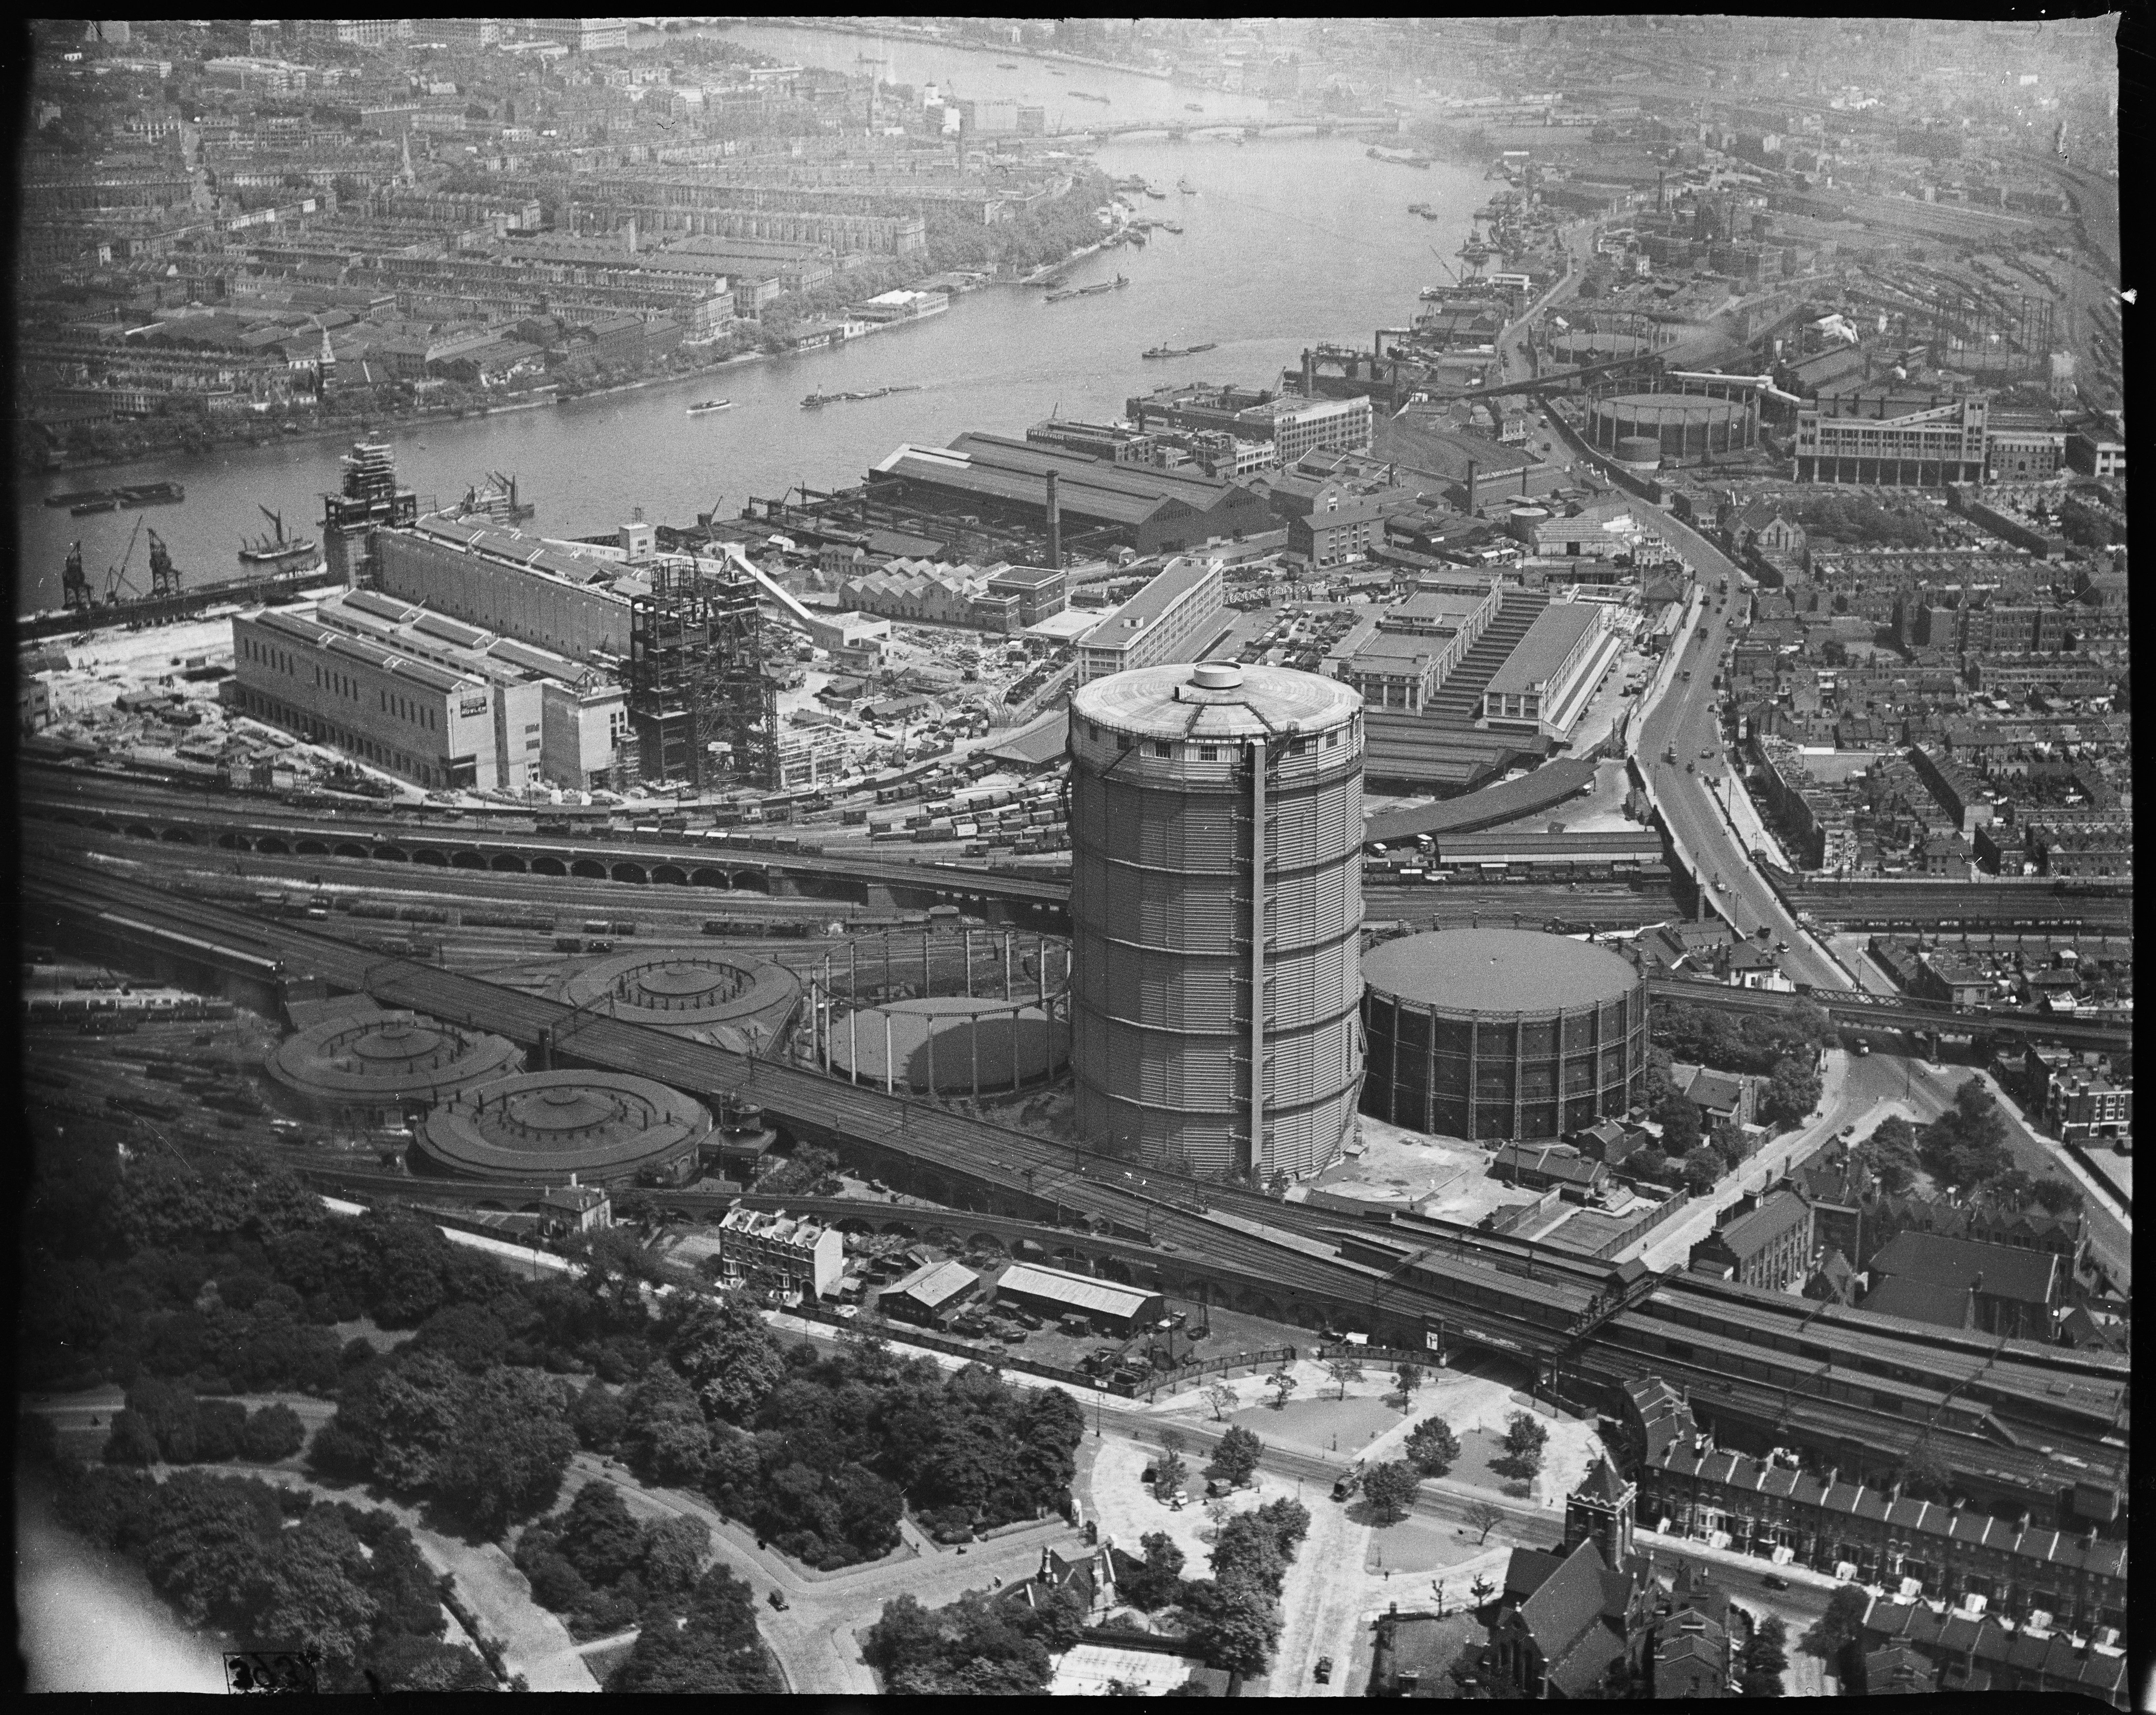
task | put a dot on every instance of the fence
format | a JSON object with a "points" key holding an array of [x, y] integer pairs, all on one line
{"points": [[1175, 1378]]}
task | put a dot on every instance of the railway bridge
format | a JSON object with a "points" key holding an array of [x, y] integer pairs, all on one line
{"points": [[723, 864]]}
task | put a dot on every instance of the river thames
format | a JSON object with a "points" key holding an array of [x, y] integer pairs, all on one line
{"points": [[1287, 242]]}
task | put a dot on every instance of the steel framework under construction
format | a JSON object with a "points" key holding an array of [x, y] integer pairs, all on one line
{"points": [[695, 677]]}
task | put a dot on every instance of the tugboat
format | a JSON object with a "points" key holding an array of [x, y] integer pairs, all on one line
{"points": [[87, 507], [705, 407], [280, 550], [814, 400]]}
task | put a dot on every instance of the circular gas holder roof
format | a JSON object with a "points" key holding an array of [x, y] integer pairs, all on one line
{"points": [[1222, 700], [1483, 971], [605, 1128], [735, 1000], [1671, 408], [387, 1058]]}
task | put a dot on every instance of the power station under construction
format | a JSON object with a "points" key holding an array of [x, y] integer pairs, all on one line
{"points": [[1216, 910], [695, 675]]}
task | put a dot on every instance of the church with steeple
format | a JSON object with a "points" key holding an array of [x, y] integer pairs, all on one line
{"points": [[1598, 1618]]}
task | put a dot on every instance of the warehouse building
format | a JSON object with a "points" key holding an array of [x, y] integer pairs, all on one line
{"points": [[930, 1294], [1110, 1305], [1004, 481], [1958, 1283], [514, 585], [1551, 673], [1177, 616]]}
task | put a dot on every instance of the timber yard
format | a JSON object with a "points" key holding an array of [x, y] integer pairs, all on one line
{"points": [[1527, 853]]}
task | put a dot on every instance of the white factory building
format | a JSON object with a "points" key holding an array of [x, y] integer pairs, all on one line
{"points": [[427, 698]]}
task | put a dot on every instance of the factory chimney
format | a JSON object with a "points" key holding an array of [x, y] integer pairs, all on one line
{"points": [[1309, 373], [1054, 528]]}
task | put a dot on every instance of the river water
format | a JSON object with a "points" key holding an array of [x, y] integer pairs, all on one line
{"points": [[87, 1620], [1287, 242]]}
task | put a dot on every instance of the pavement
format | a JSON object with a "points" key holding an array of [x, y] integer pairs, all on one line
{"points": [[1842, 1102]]}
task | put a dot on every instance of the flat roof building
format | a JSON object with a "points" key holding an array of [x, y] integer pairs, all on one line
{"points": [[513, 585], [1546, 681], [1175, 618]]}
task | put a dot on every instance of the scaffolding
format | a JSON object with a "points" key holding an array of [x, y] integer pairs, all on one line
{"points": [[695, 678], [370, 501]]}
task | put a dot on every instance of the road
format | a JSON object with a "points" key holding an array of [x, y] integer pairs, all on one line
{"points": [[1844, 1100], [1681, 750]]}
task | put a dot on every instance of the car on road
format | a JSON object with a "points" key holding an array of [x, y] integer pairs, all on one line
{"points": [[1706, 753], [778, 1599], [1775, 1581], [1323, 1673]]}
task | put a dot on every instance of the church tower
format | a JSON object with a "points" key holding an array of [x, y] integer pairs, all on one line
{"points": [[1600, 1510]]}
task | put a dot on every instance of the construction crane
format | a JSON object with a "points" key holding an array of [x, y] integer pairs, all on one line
{"points": [[1446, 266], [164, 576], [116, 578]]}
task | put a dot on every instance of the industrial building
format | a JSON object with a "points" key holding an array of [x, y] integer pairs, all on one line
{"points": [[511, 584], [606, 1129], [1216, 830], [930, 1294], [1097, 503], [1500, 1033], [1177, 616], [1110, 1305], [433, 726], [352, 1064], [1552, 672], [1925, 448], [1289, 425], [581, 712], [807, 1256]]}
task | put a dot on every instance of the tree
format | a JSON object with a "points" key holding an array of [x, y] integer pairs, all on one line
{"points": [[599, 1418], [1484, 1517], [1161, 1578], [1792, 1092], [725, 1352], [1432, 1447], [1842, 1624], [273, 1433], [598, 1537], [1891, 1151], [1247, 1553], [1765, 1657], [1344, 1370], [2057, 1197], [1727, 1141], [1168, 1473], [1409, 1378], [1282, 1383], [674, 1552], [1232, 1626], [1679, 1119], [1289, 1520], [1222, 1397], [131, 1440], [1391, 1487], [1702, 1172], [514, 1446], [1525, 1437], [1924, 1475], [1237, 1455]]}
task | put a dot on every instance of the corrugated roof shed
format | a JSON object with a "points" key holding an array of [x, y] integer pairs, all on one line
{"points": [[1093, 1296]]}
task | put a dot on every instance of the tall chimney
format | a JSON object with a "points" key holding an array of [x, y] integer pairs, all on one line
{"points": [[1054, 528], [1309, 373]]}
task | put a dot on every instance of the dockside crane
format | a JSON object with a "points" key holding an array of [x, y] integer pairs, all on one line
{"points": [[116, 579]]}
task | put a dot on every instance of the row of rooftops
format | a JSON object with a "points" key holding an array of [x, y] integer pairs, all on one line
{"points": [[306, 634], [452, 644], [1675, 1447]]}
